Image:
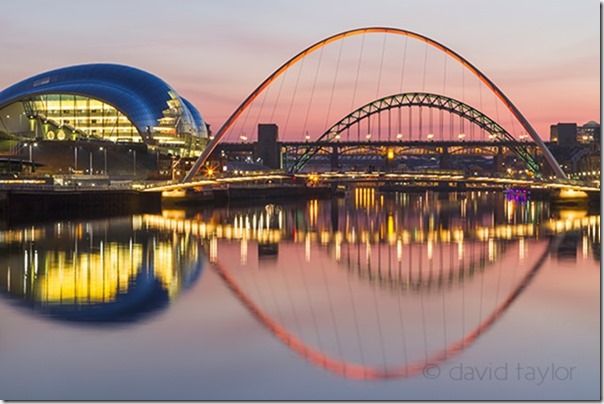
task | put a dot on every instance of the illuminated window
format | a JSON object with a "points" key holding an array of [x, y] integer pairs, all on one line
{"points": [[77, 112]]}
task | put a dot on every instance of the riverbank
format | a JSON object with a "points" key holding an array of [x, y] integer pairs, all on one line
{"points": [[21, 206]]}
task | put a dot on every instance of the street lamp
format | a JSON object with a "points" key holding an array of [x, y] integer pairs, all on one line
{"points": [[104, 150], [75, 158], [134, 162], [31, 154]]}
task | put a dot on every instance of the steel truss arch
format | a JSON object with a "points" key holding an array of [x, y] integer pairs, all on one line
{"points": [[421, 99], [362, 31]]}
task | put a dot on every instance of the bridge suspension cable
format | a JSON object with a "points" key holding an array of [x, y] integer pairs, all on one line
{"points": [[363, 31]]}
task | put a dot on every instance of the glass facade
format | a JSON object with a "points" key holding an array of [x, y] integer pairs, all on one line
{"points": [[106, 102], [70, 117]]}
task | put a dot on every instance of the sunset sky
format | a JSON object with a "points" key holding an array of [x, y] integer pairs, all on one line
{"points": [[544, 54]]}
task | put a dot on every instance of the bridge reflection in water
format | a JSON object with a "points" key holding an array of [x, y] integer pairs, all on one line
{"points": [[370, 286], [379, 286]]}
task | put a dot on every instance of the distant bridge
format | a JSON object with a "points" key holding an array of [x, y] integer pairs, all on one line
{"points": [[301, 152], [497, 134]]}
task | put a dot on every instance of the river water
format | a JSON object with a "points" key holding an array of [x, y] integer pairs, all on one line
{"points": [[372, 296]]}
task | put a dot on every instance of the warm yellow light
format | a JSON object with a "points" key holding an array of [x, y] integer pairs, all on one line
{"points": [[89, 277], [571, 214], [176, 193], [569, 193]]}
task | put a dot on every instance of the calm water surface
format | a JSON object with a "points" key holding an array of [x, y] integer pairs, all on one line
{"points": [[372, 296]]}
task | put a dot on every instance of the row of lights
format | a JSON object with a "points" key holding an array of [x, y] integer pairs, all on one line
{"points": [[429, 136], [587, 173]]}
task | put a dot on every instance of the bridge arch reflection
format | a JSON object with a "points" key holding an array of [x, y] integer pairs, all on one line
{"points": [[355, 370], [287, 267]]}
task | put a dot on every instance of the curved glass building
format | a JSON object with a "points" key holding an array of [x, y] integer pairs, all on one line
{"points": [[103, 102]]}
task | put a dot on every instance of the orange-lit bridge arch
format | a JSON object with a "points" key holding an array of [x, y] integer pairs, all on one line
{"points": [[362, 31]]}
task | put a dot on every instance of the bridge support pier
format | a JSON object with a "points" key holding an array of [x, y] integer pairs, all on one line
{"points": [[445, 159], [268, 148], [499, 160], [334, 158]]}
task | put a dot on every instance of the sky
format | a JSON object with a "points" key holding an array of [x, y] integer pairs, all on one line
{"points": [[543, 54]]}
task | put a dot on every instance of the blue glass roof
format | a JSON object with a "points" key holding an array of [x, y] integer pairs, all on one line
{"points": [[196, 117], [139, 95]]}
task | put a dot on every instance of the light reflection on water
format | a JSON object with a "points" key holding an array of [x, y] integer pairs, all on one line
{"points": [[108, 271], [374, 286]]}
